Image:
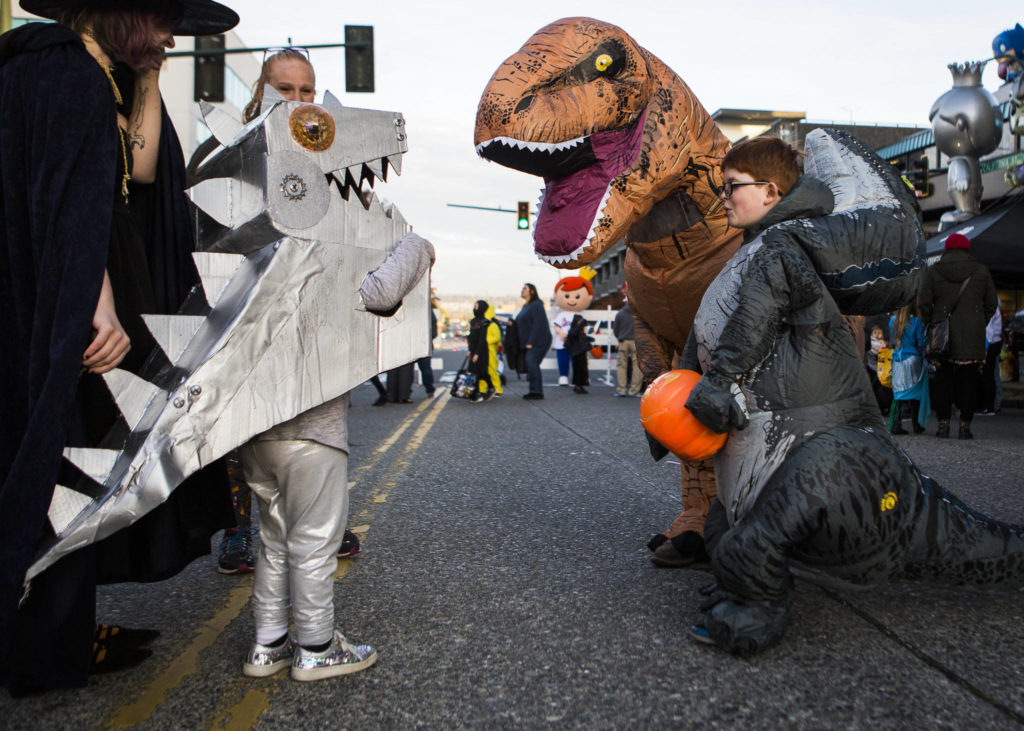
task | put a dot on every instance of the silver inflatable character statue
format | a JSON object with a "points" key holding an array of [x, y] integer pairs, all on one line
{"points": [[289, 232], [967, 124]]}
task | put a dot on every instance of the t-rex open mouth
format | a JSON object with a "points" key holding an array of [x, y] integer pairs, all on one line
{"points": [[578, 177]]}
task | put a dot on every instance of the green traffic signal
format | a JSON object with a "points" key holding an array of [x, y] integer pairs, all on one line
{"points": [[523, 220]]}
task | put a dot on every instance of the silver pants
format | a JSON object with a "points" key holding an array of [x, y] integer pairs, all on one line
{"points": [[302, 491]]}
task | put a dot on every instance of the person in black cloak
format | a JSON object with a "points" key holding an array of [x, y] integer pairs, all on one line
{"points": [[76, 282]]}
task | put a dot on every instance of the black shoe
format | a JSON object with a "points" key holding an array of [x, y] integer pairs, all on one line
{"points": [[918, 429], [684, 551], [112, 658], [533, 396], [381, 400], [113, 634], [349, 545], [898, 429], [965, 430], [943, 432], [579, 389]]}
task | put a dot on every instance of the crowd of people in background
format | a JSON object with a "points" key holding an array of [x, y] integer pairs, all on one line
{"points": [[909, 381]]}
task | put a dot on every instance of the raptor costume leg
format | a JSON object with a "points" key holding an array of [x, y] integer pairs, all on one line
{"points": [[845, 500]]}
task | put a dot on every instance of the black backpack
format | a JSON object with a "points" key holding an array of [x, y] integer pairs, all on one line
{"points": [[515, 354]]}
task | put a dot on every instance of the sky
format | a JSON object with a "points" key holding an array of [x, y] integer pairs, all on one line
{"points": [[868, 61]]}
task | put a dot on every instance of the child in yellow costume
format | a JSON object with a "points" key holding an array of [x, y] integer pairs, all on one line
{"points": [[483, 341]]}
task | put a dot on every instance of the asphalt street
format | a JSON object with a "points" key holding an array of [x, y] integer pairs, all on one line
{"points": [[505, 582]]}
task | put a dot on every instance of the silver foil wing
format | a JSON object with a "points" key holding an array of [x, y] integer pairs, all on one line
{"points": [[287, 248]]}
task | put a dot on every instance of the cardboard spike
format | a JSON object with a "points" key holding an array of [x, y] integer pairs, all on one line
{"points": [[330, 100], [339, 180], [383, 166], [174, 332], [131, 393], [395, 161], [376, 167], [366, 174], [271, 96], [65, 506], [215, 271], [97, 463], [395, 214], [222, 125], [366, 197], [214, 197]]}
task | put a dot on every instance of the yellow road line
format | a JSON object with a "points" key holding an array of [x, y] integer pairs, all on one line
{"points": [[245, 713], [185, 664]]}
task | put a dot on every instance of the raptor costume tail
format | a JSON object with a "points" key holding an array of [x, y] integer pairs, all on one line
{"points": [[954, 544]]}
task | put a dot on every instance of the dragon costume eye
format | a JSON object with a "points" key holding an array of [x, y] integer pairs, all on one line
{"points": [[602, 62], [312, 127]]}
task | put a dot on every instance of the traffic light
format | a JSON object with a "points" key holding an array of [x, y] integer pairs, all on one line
{"points": [[523, 217], [359, 58], [919, 177], [208, 78]]}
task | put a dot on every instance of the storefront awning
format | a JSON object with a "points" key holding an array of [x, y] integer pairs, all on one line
{"points": [[997, 241]]}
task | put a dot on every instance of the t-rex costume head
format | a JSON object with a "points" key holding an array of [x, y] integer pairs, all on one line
{"points": [[610, 128], [627, 152]]}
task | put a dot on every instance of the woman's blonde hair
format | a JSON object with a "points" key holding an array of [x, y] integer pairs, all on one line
{"points": [[252, 109]]}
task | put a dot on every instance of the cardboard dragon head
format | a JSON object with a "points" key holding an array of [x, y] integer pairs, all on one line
{"points": [[290, 226]]}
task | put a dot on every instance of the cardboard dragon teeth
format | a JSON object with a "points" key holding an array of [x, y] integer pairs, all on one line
{"points": [[289, 226]]}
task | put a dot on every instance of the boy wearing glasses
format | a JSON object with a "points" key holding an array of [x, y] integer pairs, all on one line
{"points": [[779, 365]]}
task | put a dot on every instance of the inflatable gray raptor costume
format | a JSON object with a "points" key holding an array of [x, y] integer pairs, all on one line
{"points": [[810, 475], [287, 318]]}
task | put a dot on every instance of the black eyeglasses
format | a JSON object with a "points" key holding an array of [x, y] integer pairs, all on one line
{"points": [[726, 190]]}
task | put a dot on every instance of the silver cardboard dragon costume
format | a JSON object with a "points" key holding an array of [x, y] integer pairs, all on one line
{"points": [[289, 231], [810, 476]]}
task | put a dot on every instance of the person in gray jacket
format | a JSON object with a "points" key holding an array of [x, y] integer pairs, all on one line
{"points": [[629, 381], [956, 377], [298, 472]]}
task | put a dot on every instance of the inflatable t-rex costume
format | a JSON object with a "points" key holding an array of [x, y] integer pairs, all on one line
{"points": [[627, 152], [809, 473]]}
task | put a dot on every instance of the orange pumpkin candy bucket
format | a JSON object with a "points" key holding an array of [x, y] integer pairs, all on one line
{"points": [[664, 415]]}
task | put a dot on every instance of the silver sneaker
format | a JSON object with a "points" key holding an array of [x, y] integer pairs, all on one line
{"points": [[263, 661], [341, 658]]}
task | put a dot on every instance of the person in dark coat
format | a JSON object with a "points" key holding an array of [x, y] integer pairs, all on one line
{"points": [[956, 377], [535, 337], [65, 165]]}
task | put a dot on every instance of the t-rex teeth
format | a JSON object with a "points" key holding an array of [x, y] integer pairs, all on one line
{"points": [[530, 145], [376, 169], [173, 332], [215, 271], [597, 216], [97, 463], [131, 393], [395, 161], [330, 100], [222, 125], [383, 169], [392, 212], [367, 198], [65, 506], [339, 178]]}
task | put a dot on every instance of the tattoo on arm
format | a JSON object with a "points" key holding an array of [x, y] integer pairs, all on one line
{"points": [[138, 140]]}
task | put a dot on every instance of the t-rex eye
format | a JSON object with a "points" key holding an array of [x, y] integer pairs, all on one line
{"points": [[602, 62]]}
